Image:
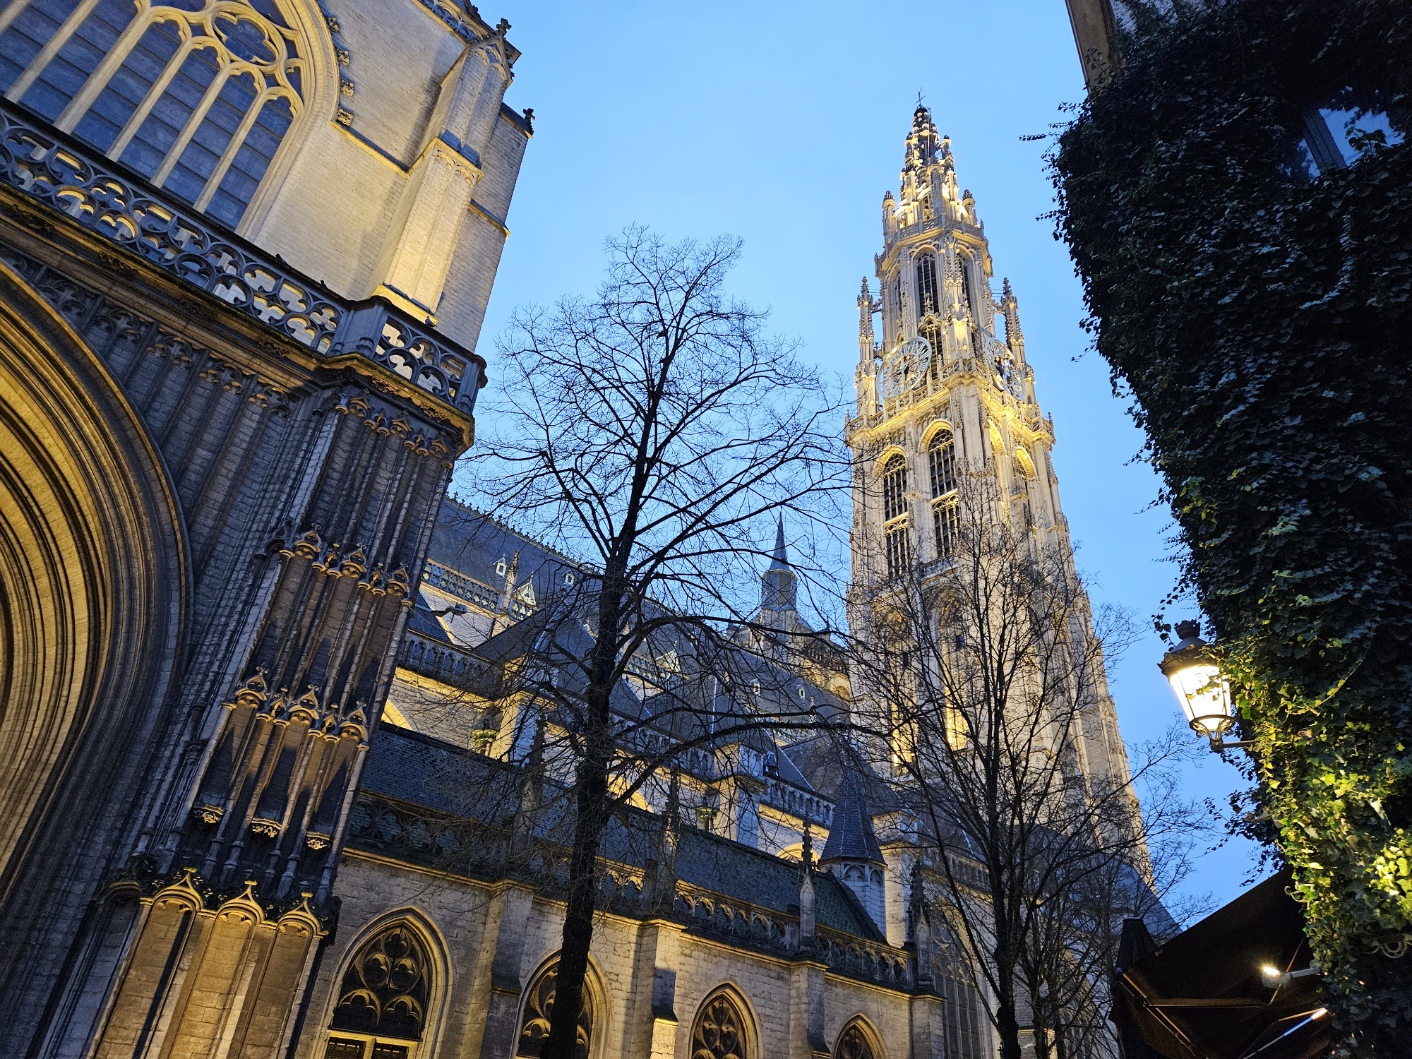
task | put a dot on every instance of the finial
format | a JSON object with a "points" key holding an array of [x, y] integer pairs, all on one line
{"points": [[806, 855]]}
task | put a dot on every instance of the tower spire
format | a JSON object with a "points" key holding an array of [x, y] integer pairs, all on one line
{"points": [[777, 584]]}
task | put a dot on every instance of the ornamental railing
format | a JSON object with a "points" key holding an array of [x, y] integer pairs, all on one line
{"points": [[51, 168]]}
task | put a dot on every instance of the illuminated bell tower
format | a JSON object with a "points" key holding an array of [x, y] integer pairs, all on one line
{"points": [[944, 391], [943, 387]]}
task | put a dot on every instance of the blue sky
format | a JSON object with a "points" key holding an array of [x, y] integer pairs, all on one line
{"points": [[783, 124]]}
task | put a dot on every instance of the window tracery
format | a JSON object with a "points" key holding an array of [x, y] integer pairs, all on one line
{"points": [[941, 460], [719, 1030], [383, 997], [895, 536], [194, 95], [926, 284], [539, 1009], [854, 1043]]}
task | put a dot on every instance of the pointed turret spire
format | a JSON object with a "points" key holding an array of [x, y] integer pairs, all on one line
{"points": [[777, 584], [1014, 337]]}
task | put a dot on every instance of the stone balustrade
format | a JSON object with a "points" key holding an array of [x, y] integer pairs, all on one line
{"points": [[97, 194]]}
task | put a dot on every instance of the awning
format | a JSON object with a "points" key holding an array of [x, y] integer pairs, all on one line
{"points": [[1202, 995]]}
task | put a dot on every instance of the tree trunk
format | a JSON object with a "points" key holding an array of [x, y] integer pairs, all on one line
{"points": [[592, 804], [578, 916]]}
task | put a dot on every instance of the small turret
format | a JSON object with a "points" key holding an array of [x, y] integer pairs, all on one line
{"points": [[865, 324], [1014, 337], [852, 853], [806, 892], [778, 584]]}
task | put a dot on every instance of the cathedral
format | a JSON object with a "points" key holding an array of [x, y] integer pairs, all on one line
{"points": [[266, 788]]}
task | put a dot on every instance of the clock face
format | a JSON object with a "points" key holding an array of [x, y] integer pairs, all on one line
{"points": [[906, 366]]}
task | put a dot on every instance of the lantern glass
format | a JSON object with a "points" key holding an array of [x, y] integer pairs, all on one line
{"points": [[1190, 667], [1204, 696]]}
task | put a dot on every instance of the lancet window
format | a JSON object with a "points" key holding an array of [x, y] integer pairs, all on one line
{"points": [[539, 1009], [965, 1033], [1020, 497], [931, 331], [383, 998], [941, 461], [926, 284], [895, 536], [968, 303], [194, 95], [719, 1031]]}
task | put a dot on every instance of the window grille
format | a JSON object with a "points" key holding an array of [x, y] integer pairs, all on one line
{"points": [[941, 458], [899, 549], [926, 284], [931, 331], [946, 526], [194, 95]]}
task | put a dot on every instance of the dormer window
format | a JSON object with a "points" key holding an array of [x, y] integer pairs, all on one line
{"points": [[501, 567]]}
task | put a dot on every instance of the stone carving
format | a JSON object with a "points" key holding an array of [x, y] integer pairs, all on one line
{"points": [[539, 1007], [384, 990], [55, 172], [717, 1033]]}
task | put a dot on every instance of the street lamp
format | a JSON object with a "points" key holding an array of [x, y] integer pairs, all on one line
{"points": [[1190, 667]]}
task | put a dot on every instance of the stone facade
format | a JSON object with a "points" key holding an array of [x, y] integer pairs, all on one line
{"points": [[261, 792], [220, 477]]}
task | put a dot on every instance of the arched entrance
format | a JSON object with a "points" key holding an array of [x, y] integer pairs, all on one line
{"points": [[92, 574]]}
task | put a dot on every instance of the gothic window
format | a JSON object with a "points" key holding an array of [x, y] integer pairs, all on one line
{"points": [[1020, 497], [539, 1008], [926, 284], [894, 488], [931, 331], [854, 1043], [895, 536], [194, 95], [941, 460], [382, 1001], [719, 1030], [965, 1034], [967, 301]]}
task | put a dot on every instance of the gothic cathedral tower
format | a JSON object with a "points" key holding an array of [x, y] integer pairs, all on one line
{"points": [[945, 393]]}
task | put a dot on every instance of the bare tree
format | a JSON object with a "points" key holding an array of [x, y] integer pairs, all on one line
{"points": [[982, 678], [656, 430]]}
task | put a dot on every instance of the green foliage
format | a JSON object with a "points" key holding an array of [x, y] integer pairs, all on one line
{"points": [[1260, 318]]}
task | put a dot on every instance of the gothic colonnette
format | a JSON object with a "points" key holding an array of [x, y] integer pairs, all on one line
{"points": [[245, 251]]}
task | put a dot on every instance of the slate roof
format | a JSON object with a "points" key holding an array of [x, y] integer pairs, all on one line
{"points": [[851, 835], [427, 772], [473, 543]]}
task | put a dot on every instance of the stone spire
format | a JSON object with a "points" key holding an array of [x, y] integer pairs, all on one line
{"points": [[778, 583], [1014, 337], [924, 146]]}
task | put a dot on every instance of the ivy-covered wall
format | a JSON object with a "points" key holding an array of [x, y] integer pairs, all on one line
{"points": [[1260, 315]]}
